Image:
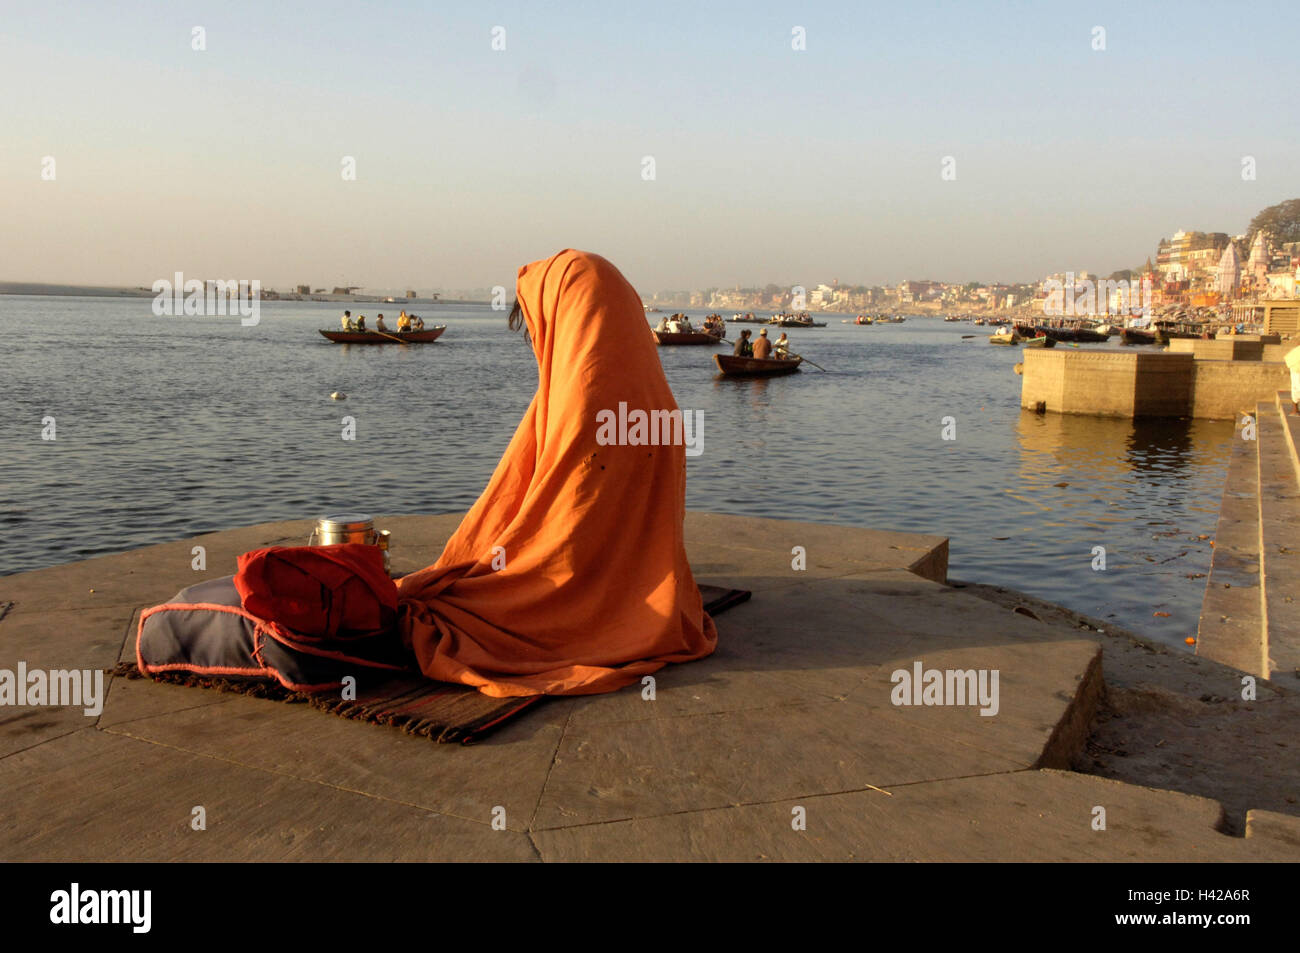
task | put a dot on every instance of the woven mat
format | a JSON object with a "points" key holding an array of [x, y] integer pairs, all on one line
{"points": [[437, 710]]}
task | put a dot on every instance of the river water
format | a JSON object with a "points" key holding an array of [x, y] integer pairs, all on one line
{"points": [[168, 427]]}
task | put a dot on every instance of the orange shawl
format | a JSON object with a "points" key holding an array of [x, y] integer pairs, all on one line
{"points": [[569, 575]]}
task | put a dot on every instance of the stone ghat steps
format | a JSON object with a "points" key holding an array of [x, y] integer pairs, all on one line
{"points": [[1279, 522], [1290, 428], [1231, 627], [1250, 617]]}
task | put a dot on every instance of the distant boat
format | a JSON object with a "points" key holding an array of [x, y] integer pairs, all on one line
{"points": [[732, 366], [1085, 335], [1168, 332], [664, 338], [1006, 338], [385, 337], [1137, 336], [790, 321]]}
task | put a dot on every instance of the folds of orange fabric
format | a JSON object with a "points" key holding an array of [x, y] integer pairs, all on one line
{"points": [[569, 574]]}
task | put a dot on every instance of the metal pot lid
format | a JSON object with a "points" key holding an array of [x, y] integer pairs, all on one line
{"points": [[345, 522]]}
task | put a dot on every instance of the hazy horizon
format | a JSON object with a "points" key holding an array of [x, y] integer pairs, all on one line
{"points": [[771, 164]]}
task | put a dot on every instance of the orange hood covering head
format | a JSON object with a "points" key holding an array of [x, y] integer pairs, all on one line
{"points": [[569, 575]]}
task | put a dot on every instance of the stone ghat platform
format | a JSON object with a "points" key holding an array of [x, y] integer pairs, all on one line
{"points": [[1250, 618], [791, 720], [1140, 382]]}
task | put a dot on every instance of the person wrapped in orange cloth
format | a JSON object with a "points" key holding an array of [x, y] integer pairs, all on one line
{"points": [[569, 575]]}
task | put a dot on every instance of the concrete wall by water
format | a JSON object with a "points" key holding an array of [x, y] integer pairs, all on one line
{"points": [[1107, 383], [1223, 390], [1132, 383], [1238, 347], [1220, 349]]}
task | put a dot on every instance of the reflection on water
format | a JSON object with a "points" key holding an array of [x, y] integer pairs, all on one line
{"points": [[1159, 443], [1146, 491], [169, 427], [747, 397]]}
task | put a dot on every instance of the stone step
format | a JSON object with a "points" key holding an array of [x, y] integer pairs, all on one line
{"points": [[1231, 627], [1279, 531], [1290, 428]]}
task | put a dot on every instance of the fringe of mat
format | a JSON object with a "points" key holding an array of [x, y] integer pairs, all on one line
{"points": [[383, 706]]}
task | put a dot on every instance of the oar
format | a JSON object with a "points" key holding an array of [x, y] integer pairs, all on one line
{"points": [[387, 335], [818, 366]]}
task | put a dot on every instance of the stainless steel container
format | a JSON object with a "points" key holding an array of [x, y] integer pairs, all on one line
{"points": [[350, 528], [346, 528]]}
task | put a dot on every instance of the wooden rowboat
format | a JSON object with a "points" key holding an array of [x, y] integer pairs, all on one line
{"points": [[1166, 333], [685, 337], [1071, 335], [385, 337], [733, 366], [1136, 336]]}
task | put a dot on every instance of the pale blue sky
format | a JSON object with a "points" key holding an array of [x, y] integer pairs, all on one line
{"points": [[771, 164]]}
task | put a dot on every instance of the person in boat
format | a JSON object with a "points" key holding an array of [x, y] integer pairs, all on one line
{"points": [[379, 324], [662, 326], [742, 347], [403, 322], [781, 347], [595, 591], [762, 346], [361, 322], [347, 321], [417, 322]]}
